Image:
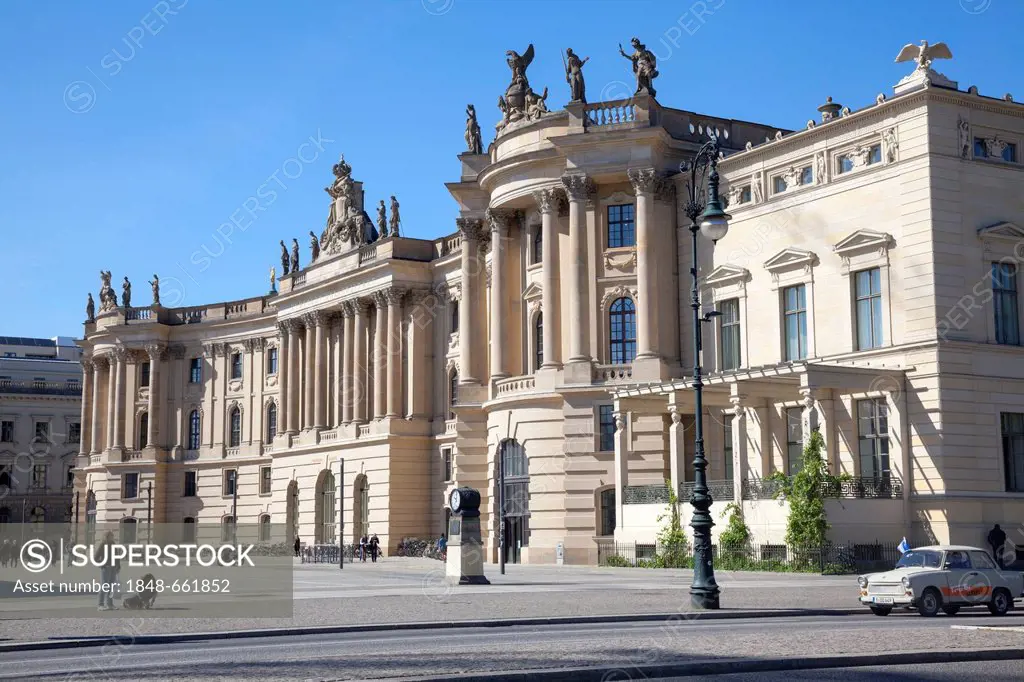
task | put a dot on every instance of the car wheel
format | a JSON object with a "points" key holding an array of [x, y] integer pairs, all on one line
{"points": [[950, 610], [1001, 603], [929, 603], [881, 610]]}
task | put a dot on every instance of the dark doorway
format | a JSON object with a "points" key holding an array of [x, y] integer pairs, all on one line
{"points": [[516, 497]]}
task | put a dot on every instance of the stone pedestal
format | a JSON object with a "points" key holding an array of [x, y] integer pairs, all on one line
{"points": [[465, 565]]}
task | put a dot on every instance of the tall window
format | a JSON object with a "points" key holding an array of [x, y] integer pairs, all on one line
{"points": [[69, 477], [42, 431], [794, 440], [794, 300], [875, 154], [455, 316], [730, 326], [621, 226], [606, 427], [1012, 424], [230, 477], [236, 365], [272, 360], [191, 484], [1004, 303], [6, 431], [39, 476], [622, 331], [193, 430], [144, 374], [266, 480], [449, 469], [453, 393], [143, 430], [195, 371], [236, 428], [75, 432], [537, 244], [271, 422], [727, 447], [868, 292], [130, 486], [608, 512], [538, 341], [873, 437]]}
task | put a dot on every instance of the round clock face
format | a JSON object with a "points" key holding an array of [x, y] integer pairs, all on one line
{"points": [[455, 499]]}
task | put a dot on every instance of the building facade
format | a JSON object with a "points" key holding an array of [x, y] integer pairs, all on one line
{"points": [[867, 288], [40, 427]]}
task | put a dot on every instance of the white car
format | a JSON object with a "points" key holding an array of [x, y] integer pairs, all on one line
{"points": [[942, 578]]}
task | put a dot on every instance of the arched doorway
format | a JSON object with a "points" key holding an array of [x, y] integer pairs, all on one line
{"points": [[515, 499], [326, 509], [292, 511], [360, 508]]}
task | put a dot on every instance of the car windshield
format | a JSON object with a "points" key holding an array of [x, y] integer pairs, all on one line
{"points": [[920, 557]]}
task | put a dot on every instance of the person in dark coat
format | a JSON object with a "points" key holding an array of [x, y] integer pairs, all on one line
{"points": [[363, 542], [298, 545], [996, 539], [374, 548]]}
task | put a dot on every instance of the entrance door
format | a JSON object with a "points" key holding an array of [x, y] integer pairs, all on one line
{"points": [[516, 496], [516, 531]]}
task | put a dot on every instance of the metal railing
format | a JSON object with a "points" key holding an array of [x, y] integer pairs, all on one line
{"points": [[645, 494], [863, 487], [721, 491], [40, 387]]}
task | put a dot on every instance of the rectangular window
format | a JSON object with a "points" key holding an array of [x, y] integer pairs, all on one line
{"points": [[727, 440], [745, 195], [130, 486], [608, 512], [144, 375], [455, 316], [868, 294], [38, 476], [606, 427], [266, 481], [191, 484], [875, 154], [1010, 152], [794, 440], [272, 360], [1004, 303], [873, 438], [844, 164], [236, 365], [75, 433], [6, 431], [230, 476], [195, 371], [538, 244], [449, 470], [778, 184], [980, 150], [807, 176], [621, 226], [69, 477], [730, 327], [1012, 424], [794, 301], [42, 431]]}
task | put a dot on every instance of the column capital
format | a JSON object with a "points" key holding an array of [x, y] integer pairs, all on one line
{"points": [[156, 351], [808, 396], [620, 421], [87, 364], [578, 186], [380, 298], [501, 219], [675, 414], [647, 181], [361, 306], [348, 309], [547, 199], [121, 354], [469, 228], [395, 295]]}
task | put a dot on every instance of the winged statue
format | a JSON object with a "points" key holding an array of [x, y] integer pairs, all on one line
{"points": [[923, 54], [519, 63]]}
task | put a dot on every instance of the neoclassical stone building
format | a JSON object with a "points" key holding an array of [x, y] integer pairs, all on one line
{"points": [[867, 288]]}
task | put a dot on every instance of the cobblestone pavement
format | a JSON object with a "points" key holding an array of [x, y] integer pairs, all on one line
{"points": [[403, 590]]}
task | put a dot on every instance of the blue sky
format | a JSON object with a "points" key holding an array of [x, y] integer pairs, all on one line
{"points": [[132, 131]]}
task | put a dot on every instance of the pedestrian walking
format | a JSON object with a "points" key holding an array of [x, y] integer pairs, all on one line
{"points": [[442, 547], [109, 567], [363, 542], [996, 539], [298, 545], [374, 547]]}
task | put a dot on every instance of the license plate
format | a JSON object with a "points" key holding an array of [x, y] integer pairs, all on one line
{"points": [[883, 600]]}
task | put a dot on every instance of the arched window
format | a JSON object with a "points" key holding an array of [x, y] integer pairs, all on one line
{"points": [[271, 422], [453, 393], [325, 511], [236, 428], [537, 245], [143, 430], [455, 316], [265, 528], [622, 331], [193, 430], [538, 341], [188, 530]]}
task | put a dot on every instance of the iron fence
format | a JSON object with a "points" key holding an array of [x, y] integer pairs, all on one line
{"points": [[835, 558], [863, 487]]}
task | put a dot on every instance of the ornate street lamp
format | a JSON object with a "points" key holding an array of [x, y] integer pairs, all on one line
{"points": [[712, 221]]}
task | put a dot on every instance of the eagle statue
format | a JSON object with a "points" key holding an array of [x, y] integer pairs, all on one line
{"points": [[923, 54]]}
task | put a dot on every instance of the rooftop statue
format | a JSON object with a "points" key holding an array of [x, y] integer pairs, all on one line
{"points": [[382, 220], [284, 259], [474, 144], [126, 295], [519, 101], [295, 255], [155, 284], [396, 219], [574, 76], [108, 298], [90, 310], [314, 246], [923, 54], [348, 225], [644, 66]]}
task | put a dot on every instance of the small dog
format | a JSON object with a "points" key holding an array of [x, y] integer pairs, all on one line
{"points": [[144, 599]]}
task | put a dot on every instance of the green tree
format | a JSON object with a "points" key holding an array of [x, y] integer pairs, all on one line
{"points": [[672, 540]]}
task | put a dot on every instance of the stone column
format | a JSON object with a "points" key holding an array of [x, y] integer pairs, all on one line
{"points": [[88, 406], [740, 463], [621, 462], [348, 312], [472, 266], [334, 383], [294, 371], [121, 358], [111, 386], [818, 410], [645, 183], [282, 377], [380, 341], [499, 222], [424, 305], [676, 448], [156, 353], [178, 354], [579, 189], [394, 346], [309, 371], [362, 308], [547, 200], [319, 420], [99, 364]]}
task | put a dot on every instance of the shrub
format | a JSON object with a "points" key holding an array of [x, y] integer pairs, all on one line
{"points": [[673, 545], [736, 536], [617, 561]]}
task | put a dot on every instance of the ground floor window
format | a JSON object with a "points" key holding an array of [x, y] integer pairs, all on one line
{"points": [[873, 437], [1012, 424], [607, 511]]}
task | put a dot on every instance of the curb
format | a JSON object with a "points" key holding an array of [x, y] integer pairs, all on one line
{"points": [[174, 638], [733, 666]]}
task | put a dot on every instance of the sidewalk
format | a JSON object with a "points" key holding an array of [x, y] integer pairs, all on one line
{"points": [[401, 590]]}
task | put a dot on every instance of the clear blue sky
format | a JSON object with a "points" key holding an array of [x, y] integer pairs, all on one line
{"points": [[128, 139]]}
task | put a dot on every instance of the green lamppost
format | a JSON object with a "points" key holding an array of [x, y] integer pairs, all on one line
{"points": [[710, 219]]}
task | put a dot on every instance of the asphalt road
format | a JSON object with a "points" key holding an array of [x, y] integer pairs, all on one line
{"points": [[390, 654], [989, 671]]}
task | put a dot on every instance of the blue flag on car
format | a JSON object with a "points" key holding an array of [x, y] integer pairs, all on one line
{"points": [[904, 546]]}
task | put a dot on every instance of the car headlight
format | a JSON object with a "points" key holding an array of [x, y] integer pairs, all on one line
{"points": [[862, 581], [906, 582]]}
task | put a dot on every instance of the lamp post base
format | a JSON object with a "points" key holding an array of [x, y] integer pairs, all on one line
{"points": [[705, 600]]}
